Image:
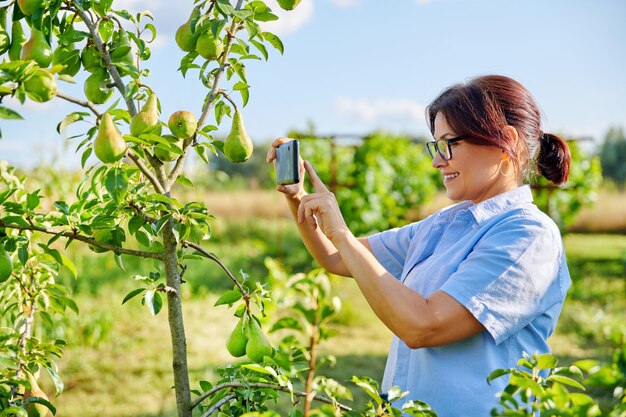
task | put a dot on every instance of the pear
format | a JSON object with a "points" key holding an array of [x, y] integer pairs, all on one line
{"points": [[182, 124], [69, 57], [258, 346], [18, 39], [6, 265], [109, 145], [147, 119], [96, 87], [102, 236], [238, 146], [5, 41], [28, 7], [185, 37], [91, 58], [35, 409], [237, 340], [167, 155], [37, 48], [288, 4], [41, 86], [208, 46]]}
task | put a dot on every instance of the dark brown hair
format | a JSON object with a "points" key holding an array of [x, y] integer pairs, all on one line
{"points": [[483, 106]]}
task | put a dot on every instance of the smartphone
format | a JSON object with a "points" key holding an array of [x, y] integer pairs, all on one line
{"points": [[287, 167]]}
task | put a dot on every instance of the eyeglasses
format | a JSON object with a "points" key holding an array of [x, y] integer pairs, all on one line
{"points": [[442, 147]]}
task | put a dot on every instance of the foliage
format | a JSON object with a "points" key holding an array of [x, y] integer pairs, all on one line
{"points": [[613, 154], [611, 376], [565, 202]]}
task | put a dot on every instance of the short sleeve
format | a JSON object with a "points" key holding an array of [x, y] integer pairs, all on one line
{"points": [[510, 275], [392, 247]]}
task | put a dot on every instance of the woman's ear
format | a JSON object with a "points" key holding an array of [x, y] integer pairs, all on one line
{"points": [[511, 135]]}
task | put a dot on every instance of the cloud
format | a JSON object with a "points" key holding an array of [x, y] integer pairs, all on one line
{"points": [[380, 110], [289, 21]]}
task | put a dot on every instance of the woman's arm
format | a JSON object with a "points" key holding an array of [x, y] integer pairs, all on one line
{"points": [[419, 321]]}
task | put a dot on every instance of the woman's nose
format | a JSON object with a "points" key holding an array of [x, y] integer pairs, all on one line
{"points": [[438, 161]]}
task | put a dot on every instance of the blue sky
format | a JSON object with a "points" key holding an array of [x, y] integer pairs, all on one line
{"points": [[352, 66]]}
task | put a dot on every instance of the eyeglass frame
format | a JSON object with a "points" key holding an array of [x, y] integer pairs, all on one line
{"points": [[448, 143]]}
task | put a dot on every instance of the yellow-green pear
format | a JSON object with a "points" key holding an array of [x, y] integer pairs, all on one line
{"points": [[91, 58], [41, 86], [68, 56], [5, 41], [288, 4], [18, 39], [35, 409], [185, 37], [97, 86], [238, 339], [109, 145], [37, 48], [147, 119], [6, 265], [182, 124], [166, 155], [238, 146], [258, 346], [28, 7], [208, 46]]}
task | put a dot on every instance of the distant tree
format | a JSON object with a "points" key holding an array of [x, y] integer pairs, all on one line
{"points": [[613, 155]]}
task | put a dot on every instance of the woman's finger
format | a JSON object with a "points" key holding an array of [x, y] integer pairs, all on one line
{"points": [[317, 183]]}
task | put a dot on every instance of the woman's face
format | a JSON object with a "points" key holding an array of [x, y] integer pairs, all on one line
{"points": [[475, 171]]}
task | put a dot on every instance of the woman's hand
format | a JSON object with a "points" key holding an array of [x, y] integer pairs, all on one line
{"points": [[321, 209], [291, 190]]}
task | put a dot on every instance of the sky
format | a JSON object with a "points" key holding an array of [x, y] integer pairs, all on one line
{"points": [[355, 66]]}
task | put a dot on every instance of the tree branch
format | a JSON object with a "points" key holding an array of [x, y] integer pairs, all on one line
{"points": [[85, 103], [225, 385], [107, 58], [86, 239], [219, 405], [187, 243], [180, 162], [138, 211]]}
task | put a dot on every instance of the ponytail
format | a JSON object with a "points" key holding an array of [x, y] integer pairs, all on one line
{"points": [[554, 158]]}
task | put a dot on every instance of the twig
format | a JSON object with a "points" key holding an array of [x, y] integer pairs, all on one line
{"points": [[86, 239], [227, 97], [219, 404], [138, 211], [308, 387], [225, 385], [214, 258], [107, 58], [180, 162], [86, 103]]}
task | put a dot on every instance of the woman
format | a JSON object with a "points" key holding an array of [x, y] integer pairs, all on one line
{"points": [[470, 288]]}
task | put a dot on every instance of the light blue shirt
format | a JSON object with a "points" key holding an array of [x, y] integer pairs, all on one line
{"points": [[503, 259]]}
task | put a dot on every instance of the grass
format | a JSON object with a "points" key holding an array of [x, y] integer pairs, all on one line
{"points": [[118, 358]]}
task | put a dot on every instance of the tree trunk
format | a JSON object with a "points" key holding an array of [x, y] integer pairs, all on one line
{"points": [[175, 319]]}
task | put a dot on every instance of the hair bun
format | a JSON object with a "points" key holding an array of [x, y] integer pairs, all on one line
{"points": [[554, 158]]}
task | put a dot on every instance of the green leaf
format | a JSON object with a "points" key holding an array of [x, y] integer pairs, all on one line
{"points": [[120, 262], [286, 323], [70, 266], [566, 381], [116, 183], [229, 297], [32, 200], [69, 119], [274, 41], [152, 29], [58, 382], [498, 373], [181, 179], [6, 113], [153, 302], [546, 361], [39, 400], [132, 294], [267, 370], [261, 48]]}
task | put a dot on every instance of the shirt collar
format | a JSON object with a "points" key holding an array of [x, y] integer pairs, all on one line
{"points": [[501, 203]]}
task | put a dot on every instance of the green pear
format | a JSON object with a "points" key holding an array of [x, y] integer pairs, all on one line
{"points": [[96, 87], [109, 145], [28, 7], [238, 339], [258, 346], [208, 46], [167, 155], [18, 39], [147, 119], [102, 236], [288, 4], [91, 58], [6, 265], [37, 48], [182, 124], [185, 37], [67, 56], [41, 86], [238, 146], [5, 41], [35, 409]]}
